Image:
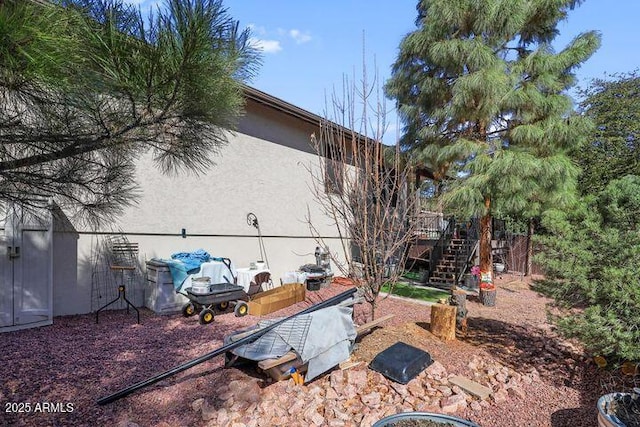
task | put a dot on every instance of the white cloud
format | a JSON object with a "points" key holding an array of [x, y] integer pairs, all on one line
{"points": [[299, 36], [267, 46], [274, 44], [256, 29]]}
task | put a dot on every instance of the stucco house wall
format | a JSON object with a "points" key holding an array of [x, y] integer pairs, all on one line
{"points": [[264, 170]]}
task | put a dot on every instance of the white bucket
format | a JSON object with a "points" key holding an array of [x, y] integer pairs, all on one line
{"points": [[201, 285]]}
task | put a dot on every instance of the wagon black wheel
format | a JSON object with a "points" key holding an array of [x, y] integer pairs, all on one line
{"points": [[223, 305], [241, 309], [206, 316], [188, 310]]}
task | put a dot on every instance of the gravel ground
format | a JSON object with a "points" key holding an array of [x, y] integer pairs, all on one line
{"points": [[55, 374]]}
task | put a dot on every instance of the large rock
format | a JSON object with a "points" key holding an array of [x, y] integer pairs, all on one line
{"points": [[350, 391], [196, 405], [208, 412], [370, 418], [357, 378], [444, 390], [297, 407], [475, 406], [313, 417], [331, 394], [436, 370], [223, 417], [372, 399], [452, 403], [517, 392], [415, 388], [500, 396]]}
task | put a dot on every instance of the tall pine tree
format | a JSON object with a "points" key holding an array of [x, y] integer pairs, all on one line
{"points": [[482, 93], [88, 86], [613, 149]]}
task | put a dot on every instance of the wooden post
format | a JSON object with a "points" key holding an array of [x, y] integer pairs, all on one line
{"points": [[529, 264], [459, 298], [443, 321]]}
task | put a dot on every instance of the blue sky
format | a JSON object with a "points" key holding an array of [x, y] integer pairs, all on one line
{"points": [[310, 45]]}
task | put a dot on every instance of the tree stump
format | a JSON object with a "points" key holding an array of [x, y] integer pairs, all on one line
{"points": [[443, 321]]}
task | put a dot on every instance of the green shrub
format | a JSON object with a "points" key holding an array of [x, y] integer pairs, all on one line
{"points": [[591, 255]]}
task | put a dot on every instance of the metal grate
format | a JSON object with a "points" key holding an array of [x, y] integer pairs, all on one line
{"points": [[275, 343]]}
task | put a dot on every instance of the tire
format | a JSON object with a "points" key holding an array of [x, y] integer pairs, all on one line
{"points": [[188, 309], [241, 309], [222, 306], [206, 316]]}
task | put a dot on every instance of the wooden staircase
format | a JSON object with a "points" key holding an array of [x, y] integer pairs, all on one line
{"points": [[453, 259], [419, 253]]}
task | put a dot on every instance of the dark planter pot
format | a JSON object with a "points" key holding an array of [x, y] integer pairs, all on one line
{"points": [[391, 420]]}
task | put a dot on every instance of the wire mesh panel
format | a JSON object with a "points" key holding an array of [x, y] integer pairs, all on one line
{"points": [[112, 252]]}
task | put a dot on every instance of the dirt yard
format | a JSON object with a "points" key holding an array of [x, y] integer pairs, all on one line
{"points": [[54, 375]]}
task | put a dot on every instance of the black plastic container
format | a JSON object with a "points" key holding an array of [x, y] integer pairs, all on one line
{"points": [[401, 362], [313, 285]]}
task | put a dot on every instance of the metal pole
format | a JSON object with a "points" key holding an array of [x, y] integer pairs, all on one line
{"points": [[252, 220], [249, 338], [263, 250]]}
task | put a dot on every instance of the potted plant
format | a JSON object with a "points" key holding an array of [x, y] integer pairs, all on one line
{"points": [[619, 409], [423, 419], [475, 273]]}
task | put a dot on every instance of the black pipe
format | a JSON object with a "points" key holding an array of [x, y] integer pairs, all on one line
{"points": [[249, 338]]}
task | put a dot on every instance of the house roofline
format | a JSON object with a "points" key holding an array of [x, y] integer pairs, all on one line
{"points": [[281, 105]]}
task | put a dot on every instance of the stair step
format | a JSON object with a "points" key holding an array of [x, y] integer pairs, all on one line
{"points": [[446, 263], [451, 262], [441, 285], [445, 276]]}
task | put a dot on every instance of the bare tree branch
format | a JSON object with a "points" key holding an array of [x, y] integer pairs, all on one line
{"points": [[362, 186]]}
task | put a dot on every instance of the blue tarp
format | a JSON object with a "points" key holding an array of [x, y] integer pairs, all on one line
{"points": [[192, 260], [182, 264]]}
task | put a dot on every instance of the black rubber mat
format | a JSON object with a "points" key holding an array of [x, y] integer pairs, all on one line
{"points": [[401, 362]]}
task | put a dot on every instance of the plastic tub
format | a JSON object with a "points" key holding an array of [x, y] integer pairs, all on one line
{"points": [[430, 416]]}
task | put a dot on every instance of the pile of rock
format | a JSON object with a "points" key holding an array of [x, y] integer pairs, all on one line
{"points": [[356, 396]]}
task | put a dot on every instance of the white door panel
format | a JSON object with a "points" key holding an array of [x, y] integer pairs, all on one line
{"points": [[26, 290], [32, 281], [6, 283]]}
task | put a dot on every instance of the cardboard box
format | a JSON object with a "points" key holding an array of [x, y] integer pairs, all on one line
{"points": [[275, 299]]}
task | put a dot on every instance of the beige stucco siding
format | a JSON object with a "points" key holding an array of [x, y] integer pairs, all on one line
{"points": [[263, 170]]}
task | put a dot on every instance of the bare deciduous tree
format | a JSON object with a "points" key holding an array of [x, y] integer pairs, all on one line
{"points": [[362, 186]]}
